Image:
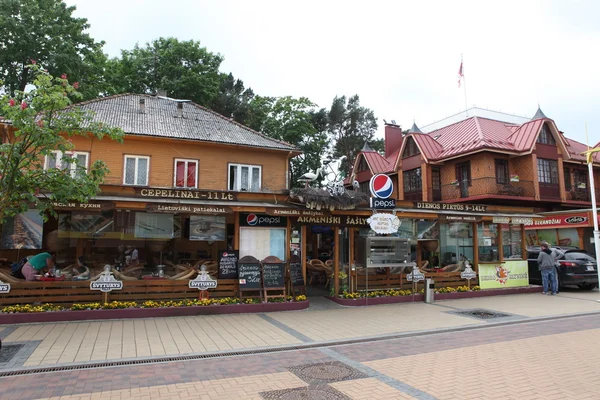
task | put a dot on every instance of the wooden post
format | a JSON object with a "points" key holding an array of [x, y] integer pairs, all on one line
{"points": [[500, 244], [236, 231], [336, 261], [475, 249], [303, 250], [105, 297], [580, 234]]}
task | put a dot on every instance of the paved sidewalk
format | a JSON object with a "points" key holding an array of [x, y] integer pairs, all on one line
{"points": [[91, 341]]}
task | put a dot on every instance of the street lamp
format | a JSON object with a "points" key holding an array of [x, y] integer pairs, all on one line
{"points": [[589, 155]]}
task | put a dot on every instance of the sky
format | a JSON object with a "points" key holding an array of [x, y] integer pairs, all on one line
{"points": [[400, 57]]}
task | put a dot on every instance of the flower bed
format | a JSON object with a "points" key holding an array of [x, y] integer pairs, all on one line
{"points": [[125, 309], [401, 296]]}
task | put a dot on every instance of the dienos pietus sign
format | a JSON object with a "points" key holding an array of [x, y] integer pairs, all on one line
{"points": [[502, 275], [381, 186], [262, 220]]}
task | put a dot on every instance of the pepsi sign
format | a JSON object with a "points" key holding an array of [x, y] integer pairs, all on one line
{"points": [[383, 204], [381, 186], [262, 220]]}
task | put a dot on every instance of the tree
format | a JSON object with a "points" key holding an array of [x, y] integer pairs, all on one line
{"points": [[233, 100], [295, 121], [40, 123], [350, 126], [184, 69], [45, 31]]}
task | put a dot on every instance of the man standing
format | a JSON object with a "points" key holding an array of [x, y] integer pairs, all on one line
{"points": [[546, 263]]}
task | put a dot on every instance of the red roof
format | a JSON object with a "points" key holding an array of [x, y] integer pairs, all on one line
{"points": [[378, 163]]}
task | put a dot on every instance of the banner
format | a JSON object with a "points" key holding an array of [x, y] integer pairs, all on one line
{"points": [[502, 275]]}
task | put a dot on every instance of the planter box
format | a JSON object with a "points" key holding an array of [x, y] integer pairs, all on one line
{"points": [[377, 300], [57, 316], [438, 296]]}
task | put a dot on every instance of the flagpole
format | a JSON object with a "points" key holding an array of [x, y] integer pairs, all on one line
{"points": [[590, 162], [464, 84]]}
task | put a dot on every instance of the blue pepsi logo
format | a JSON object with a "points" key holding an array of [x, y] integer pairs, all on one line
{"points": [[381, 186], [252, 219]]}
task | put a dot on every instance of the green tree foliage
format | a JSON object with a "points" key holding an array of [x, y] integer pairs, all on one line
{"points": [[184, 69], [40, 122], [350, 126], [296, 121], [46, 31], [233, 99]]}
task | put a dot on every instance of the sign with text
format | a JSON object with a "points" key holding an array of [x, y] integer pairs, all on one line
{"points": [[384, 223], [228, 264], [203, 282], [91, 206], [415, 275], [273, 275], [262, 220], [450, 207], [383, 204], [335, 220], [459, 218], [570, 220], [188, 209], [186, 194], [468, 273], [106, 283], [249, 275], [292, 212], [296, 276], [506, 274], [4, 287]]}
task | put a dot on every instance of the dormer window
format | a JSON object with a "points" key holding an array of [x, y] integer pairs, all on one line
{"points": [[411, 149], [545, 136], [362, 165]]}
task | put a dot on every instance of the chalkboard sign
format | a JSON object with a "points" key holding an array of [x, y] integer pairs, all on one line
{"points": [[274, 275], [296, 276], [249, 273], [228, 264]]}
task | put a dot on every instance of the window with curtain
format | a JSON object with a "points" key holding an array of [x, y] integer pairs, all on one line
{"points": [[580, 178], [186, 173], [502, 171], [262, 242], [76, 162], [547, 171], [136, 170], [244, 178], [412, 180]]}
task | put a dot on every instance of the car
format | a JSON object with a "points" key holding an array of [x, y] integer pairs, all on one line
{"points": [[577, 267]]}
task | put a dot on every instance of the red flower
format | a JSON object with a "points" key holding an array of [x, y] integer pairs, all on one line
{"points": [[23, 105], [64, 76], [33, 62], [11, 102], [40, 123], [76, 85]]}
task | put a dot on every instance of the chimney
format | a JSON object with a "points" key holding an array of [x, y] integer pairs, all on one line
{"points": [[142, 106], [161, 93], [180, 110], [393, 138]]}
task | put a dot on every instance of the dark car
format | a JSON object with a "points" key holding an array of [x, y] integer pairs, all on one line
{"points": [[577, 267]]}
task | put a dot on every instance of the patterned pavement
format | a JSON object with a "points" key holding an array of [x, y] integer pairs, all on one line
{"points": [[460, 358]]}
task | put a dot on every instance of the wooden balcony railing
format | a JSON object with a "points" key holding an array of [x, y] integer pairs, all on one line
{"points": [[487, 186], [579, 194]]}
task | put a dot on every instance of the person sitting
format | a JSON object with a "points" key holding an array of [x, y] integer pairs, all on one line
{"points": [[131, 256], [37, 265], [81, 272]]}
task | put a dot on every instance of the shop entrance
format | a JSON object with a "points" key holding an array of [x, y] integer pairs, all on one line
{"points": [[320, 247]]}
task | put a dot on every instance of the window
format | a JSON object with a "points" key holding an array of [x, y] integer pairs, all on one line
{"points": [[362, 165], [511, 241], [567, 179], [580, 179], [244, 178], [186, 173], [545, 136], [487, 235], [410, 149], [76, 162], [547, 171], [436, 183], [363, 187], [412, 180], [262, 242], [136, 170], [463, 173], [502, 171]]}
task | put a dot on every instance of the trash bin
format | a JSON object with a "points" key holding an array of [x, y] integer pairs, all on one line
{"points": [[429, 290]]}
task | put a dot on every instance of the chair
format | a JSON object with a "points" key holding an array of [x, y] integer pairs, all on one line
{"points": [[316, 268]]}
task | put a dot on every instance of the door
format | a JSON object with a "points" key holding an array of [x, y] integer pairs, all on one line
{"points": [[463, 172]]}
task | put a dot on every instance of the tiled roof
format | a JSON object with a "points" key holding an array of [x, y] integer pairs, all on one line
{"points": [[428, 145], [161, 119], [378, 163]]}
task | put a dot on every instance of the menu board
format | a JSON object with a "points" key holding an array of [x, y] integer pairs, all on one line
{"points": [[296, 276], [228, 264], [274, 275], [249, 273]]}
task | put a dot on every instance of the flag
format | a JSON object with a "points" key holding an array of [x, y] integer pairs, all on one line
{"points": [[460, 73]]}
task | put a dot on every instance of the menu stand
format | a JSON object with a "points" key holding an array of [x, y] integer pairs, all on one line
{"points": [[273, 278]]}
